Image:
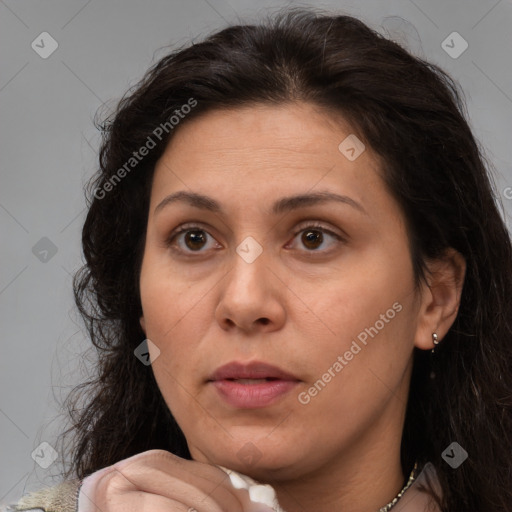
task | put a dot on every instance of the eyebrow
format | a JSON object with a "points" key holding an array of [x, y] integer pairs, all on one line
{"points": [[283, 205]]}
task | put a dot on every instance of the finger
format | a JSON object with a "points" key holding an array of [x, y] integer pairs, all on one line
{"points": [[116, 488], [138, 501], [152, 503], [161, 472], [167, 461]]}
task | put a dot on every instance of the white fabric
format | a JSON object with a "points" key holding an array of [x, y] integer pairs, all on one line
{"points": [[258, 493]]}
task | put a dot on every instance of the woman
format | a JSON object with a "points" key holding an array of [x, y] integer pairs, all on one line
{"points": [[297, 280]]}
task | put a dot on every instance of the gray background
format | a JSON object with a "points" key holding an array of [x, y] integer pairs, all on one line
{"points": [[48, 150]]}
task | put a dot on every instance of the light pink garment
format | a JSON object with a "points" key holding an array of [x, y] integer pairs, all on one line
{"points": [[86, 495], [413, 500]]}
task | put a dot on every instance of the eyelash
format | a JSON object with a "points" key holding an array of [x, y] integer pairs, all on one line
{"points": [[187, 227]]}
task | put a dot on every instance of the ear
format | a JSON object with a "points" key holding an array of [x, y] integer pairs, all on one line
{"points": [[440, 298], [143, 323]]}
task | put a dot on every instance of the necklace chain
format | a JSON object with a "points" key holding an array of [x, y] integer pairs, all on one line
{"points": [[394, 501]]}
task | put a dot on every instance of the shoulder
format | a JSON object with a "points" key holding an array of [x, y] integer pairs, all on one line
{"points": [[59, 498]]}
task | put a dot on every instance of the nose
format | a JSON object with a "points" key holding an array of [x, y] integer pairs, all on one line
{"points": [[252, 297]]}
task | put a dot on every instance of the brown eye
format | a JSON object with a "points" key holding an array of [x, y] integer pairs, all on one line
{"points": [[195, 239], [317, 239], [312, 238], [190, 239]]}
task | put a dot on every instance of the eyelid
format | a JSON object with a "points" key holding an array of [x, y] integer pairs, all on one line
{"points": [[320, 225], [183, 228], [198, 226]]}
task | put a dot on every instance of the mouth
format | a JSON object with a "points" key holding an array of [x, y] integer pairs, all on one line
{"points": [[256, 371], [252, 385], [252, 381]]}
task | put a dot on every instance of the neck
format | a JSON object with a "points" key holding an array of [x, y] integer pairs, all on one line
{"points": [[367, 487]]}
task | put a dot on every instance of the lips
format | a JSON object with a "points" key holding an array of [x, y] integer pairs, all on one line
{"points": [[254, 370], [251, 386]]}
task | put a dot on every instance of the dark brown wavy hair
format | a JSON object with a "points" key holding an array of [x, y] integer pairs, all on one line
{"points": [[408, 111]]}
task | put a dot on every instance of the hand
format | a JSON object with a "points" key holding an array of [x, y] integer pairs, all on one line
{"points": [[159, 481]]}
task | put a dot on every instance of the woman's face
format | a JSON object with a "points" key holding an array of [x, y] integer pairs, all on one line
{"points": [[320, 288]]}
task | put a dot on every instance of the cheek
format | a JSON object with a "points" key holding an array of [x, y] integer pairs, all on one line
{"points": [[352, 382], [167, 298], [361, 297], [175, 369], [360, 335], [169, 305]]}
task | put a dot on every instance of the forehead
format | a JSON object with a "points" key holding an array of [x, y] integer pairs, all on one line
{"points": [[297, 127], [297, 134], [262, 151]]}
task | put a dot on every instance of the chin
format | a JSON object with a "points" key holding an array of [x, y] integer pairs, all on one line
{"points": [[262, 464]]}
